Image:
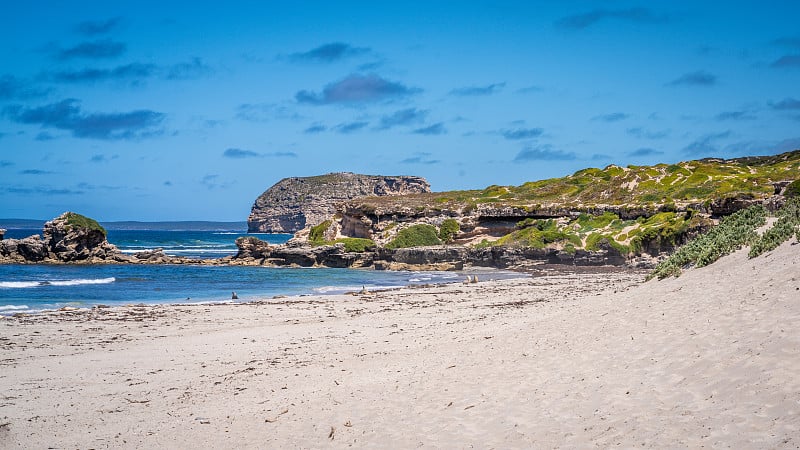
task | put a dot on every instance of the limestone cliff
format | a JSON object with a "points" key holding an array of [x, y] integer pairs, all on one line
{"points": [[295, 203]]}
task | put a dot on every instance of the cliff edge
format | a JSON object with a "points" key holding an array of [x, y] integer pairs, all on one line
{"points": [[295, 203]]}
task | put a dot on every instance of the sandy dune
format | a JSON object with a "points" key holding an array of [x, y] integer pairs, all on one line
{"points": [[711, 359]]}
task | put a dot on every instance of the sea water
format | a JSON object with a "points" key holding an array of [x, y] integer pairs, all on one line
{"points": [[38, 287]]}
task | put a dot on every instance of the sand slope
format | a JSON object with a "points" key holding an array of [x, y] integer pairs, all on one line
{"points": [[563, 360]]}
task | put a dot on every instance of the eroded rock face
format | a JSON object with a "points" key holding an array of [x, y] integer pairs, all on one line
{"points": [[295, 203]]}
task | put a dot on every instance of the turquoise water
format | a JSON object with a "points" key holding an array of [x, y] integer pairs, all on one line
{"points": [[32, 288]]}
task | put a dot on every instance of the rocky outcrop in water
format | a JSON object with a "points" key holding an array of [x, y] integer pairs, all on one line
{"points": [[75, 239], [295, 203], [69, 238]]}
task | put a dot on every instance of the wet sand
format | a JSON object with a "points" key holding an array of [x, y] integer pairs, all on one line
{"points": [[560, 359]]}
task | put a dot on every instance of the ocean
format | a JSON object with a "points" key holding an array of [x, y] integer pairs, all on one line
{"points": [[36, 288]]}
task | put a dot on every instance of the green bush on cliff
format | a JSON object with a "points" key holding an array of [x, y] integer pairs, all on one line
{"points": [[317, 233], [448, 230], [415, 236], [355, 245], [75, 220], [793, 189]]}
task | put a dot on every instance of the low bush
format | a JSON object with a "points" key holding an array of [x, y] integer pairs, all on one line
{"points": [[448, 230], [415, 236], [356, 245], [75, 220]]}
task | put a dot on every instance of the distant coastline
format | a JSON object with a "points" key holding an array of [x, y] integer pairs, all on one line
{"points": [[184, 225]]}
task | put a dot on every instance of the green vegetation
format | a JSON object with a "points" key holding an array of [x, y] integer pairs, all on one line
{"points": [[538, 233], [415, 236], [356, 245], [788, 223], [659, 187], [793, 189], [732, 233], [316, 235], [448, 230], [75, 220]]}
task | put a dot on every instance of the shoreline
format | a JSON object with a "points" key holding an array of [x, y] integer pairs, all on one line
{"points": [[34, 305], [563, 359]]}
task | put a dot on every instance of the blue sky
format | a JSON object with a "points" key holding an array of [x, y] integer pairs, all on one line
{"points": [[159, 111]]}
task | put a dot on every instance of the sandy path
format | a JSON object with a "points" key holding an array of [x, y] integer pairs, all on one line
{"points": [[562, 360]]}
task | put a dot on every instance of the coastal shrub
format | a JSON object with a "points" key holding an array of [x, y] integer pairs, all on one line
{"points": [[793, 189], [788, 224], [538, 235], [448, 230], [355, 245], [317, 233], [592, 222], [75, 220], [732, 233], [415, 236]]}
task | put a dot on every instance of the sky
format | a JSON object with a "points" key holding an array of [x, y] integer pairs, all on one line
{"points": [[162, 111]]}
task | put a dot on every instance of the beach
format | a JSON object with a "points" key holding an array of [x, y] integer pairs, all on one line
{"points": [[565, 358]]}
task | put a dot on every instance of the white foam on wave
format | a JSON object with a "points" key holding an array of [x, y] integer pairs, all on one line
{"points": [[19, 284], [12, 307], [81, 281], [75, 282]]}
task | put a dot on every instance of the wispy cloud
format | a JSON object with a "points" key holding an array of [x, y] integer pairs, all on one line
{"points": [[645, 151], [97, 27], [642, 133], [35, 172], [238, 153], [611, 117], [632, 15], [102, 158], [785, 104], [357, 89], [432, 130], [470, 91], [40, 190], [191, 70], [100, 49], [350, 127], [133, 72], [530, 90], [544, 153], [420, 158], [522, 133], [786, 61], [264, 112], [329, 53], [213, 181], [735, 115], [706, 145], [6, 163], [697, 78], [403, 117], [67, 115], [12, 88], [315, 129]]}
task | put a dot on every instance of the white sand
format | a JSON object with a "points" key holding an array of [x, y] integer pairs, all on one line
{"points": [[711, 359]]}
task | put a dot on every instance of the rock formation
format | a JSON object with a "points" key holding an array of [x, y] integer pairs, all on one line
{"points": [[295, 203], [67, 238], [75, 239]]}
